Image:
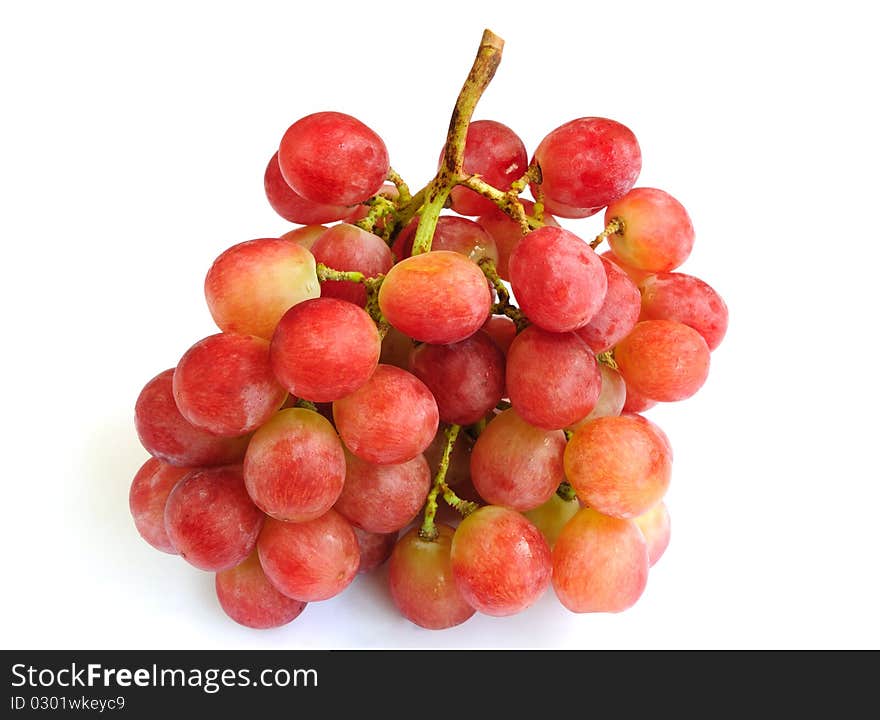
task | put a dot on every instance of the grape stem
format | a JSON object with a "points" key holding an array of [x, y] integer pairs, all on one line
{"points": [[327, 273], [305, 404], [380, 207], [482, 71], [372, 285], [607, 358], [503, 306], [404, 195], [428, 531], [612, 228]]}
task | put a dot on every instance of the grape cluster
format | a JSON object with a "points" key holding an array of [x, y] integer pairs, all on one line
{"points": [[448, 380]]}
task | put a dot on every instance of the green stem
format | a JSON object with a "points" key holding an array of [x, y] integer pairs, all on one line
{"points": [[607, 358], [404, 197], [305, 404], [482, 71], [612, 228], [379, 207], [428, 531], [507, 202], [327, 273]]}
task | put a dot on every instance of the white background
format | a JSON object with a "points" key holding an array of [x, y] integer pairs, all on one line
{"points": [[134, 139]]}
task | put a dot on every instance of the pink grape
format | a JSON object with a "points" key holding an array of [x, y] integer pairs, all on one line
{"points": [[383, 498], [292, 206], [502, 330], [500, 561], [600, 564], [685, 299], [252, 284], [656, 527], [553, 379], [453, 297], [663, 360], [324, 349], [347, 247], [333, 158], [224, 384], [515, 464], [452, 233], [247, 596], [558, 280], [211, 520], [305, 236], [586, 164], [552, 516], [390, 419], [612, 396], [466, 378], [620, 466], [312, 560], [495, 153], [147, 496], [657, 232], [506, 233], [295, 466], [375, 548], [170, 437], [619, 312], [421, 581]]}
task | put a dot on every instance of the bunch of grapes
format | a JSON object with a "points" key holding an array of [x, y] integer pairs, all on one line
{"points": [[446, 380]]}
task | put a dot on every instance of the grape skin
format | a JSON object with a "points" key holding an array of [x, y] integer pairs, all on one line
{"points": [[347, 247], [246, 595], [619, 312], [150, 488], [500, 561], [688, 300], [600, 563], [293, 207], [211, 520], [324, 349], [309, 561], [421, 581]]}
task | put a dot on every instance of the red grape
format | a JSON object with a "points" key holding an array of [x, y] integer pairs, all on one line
{"points": [[515, 464], [685, 299], [312, 560], [663, 360], [167, 435], [147, 497], [252, 284], [495, 153], [211, 520], [553, 379], [347, 247], [390, 419], [292, 206], [586, 164], [383, 498], [500, 561], [333, 158], [634, 402], [466, 378], [620, 466], [375, 548], [507, 233], [657, 233], [558, 280], [600, 564], [295, 466], [324, 349], [396, 349], [619, 312], [634, 274], [453, 297], [656, 527], [421, 581], [247, 596], [224, 384]]}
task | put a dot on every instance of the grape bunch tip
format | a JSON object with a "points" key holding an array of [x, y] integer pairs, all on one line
{"points": [[446, 381]]}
